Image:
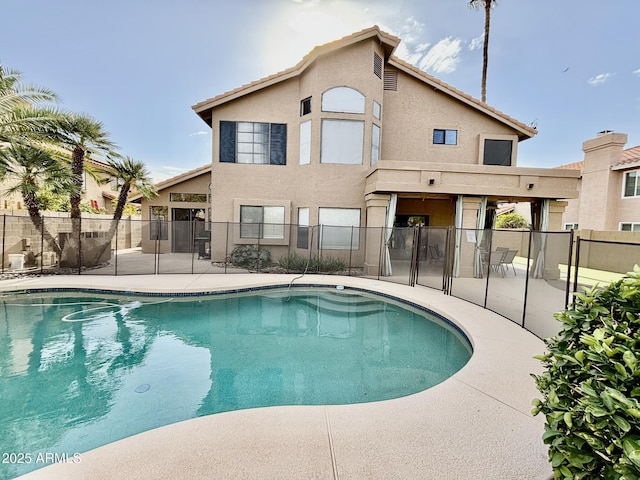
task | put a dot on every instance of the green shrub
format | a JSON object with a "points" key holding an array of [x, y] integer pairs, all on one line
{"points": [[251, 257], [591, 386], [511, 220], [300, 263]]}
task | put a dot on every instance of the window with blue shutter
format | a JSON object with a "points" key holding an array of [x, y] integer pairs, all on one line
{"points": [[253, 142], [228, 142]]}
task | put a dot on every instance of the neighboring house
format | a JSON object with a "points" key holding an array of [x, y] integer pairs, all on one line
{"points": [[98, 195], [352, 136], [183, 203], [609, 186]]}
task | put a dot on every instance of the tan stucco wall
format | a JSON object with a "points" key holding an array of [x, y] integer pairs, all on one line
{"points": [[314, 185], [414, 110], [199, 184], [601, 204], [601, 188]]}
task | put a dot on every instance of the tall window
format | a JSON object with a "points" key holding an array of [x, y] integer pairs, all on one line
{"points": [[261, 222], [342, 141], [253, 142], [303, 227], [339, 228], [158, 226], [445, 137], [375, 144], [377, 110], [632, 184], [305, 142]]}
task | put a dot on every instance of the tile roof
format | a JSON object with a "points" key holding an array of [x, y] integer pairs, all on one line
{"points": [[390, 41], [572, 166], [203, 109], [169, 182], [630, 158]]}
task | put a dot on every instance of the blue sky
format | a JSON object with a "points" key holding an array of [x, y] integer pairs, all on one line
{"points": [[571, 67]]}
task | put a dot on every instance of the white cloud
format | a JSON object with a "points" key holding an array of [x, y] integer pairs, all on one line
{"points": [[599, 79], [443, 57], [637, 72], [165, 172], [476, 43], [198, 133]]}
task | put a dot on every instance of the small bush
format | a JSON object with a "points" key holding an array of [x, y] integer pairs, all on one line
{"points": [[251, 257], [591, 386], [300, 263], [511, 220]]}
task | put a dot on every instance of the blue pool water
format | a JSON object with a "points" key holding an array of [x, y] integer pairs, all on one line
{"points": [[79, 370]]}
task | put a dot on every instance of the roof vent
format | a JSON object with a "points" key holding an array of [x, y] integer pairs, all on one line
{"points": [[604, 132]]}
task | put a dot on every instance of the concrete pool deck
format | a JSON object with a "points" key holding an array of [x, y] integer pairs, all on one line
{"points": [[475, 425]]}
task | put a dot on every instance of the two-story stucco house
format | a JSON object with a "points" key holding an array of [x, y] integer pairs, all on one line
{"points": [[353, 135], [609, 186]]}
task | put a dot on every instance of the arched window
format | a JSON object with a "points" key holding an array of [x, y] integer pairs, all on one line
{"points": [[343, 100]]}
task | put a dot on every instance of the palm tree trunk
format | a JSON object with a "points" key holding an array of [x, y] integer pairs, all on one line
{"points": [[485, 48], [38, 221], [77, 170], [113, 227]]}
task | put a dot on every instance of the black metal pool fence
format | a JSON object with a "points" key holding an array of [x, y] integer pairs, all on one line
{"points": [[522, 275]]}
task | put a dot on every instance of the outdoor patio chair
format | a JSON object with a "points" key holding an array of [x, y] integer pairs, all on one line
{"points": [[507, 259], [494, 261], [435, 253]]}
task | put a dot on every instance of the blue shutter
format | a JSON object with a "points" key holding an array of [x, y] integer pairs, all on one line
{"points": [[227, 142], [278, 145]]}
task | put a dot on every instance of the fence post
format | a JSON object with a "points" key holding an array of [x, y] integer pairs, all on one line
{"points": [[575, 275], [42, 245], [156, 256], [4, 234], [566, 295], [226, 248], [79, 243], [486, 288], [350, 250], [115, 252], [526, 278]]}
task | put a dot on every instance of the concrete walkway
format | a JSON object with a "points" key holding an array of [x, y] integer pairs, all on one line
{"points": [[475, 425]]}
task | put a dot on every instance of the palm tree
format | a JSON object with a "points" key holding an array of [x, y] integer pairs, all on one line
{"points": [[82, 136], [30, 170], [26, 111], [129, 174], [487, 5]]}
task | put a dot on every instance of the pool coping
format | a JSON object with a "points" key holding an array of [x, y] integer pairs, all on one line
{"points": [[475, 425]]}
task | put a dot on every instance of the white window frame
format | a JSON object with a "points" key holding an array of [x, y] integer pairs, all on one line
{"points": [[305, 143], [340, 144], [636, 189], [377, 110], [267, 228], [339, 228], [572, 226], [376, 134], [343, 100], [633, 226]]}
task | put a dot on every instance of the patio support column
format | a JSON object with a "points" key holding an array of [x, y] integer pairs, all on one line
{"points": [[376, 212], [555, 256], [470, 209]]}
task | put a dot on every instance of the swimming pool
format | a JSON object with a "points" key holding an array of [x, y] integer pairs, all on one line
{"points": [[79, 370]]}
